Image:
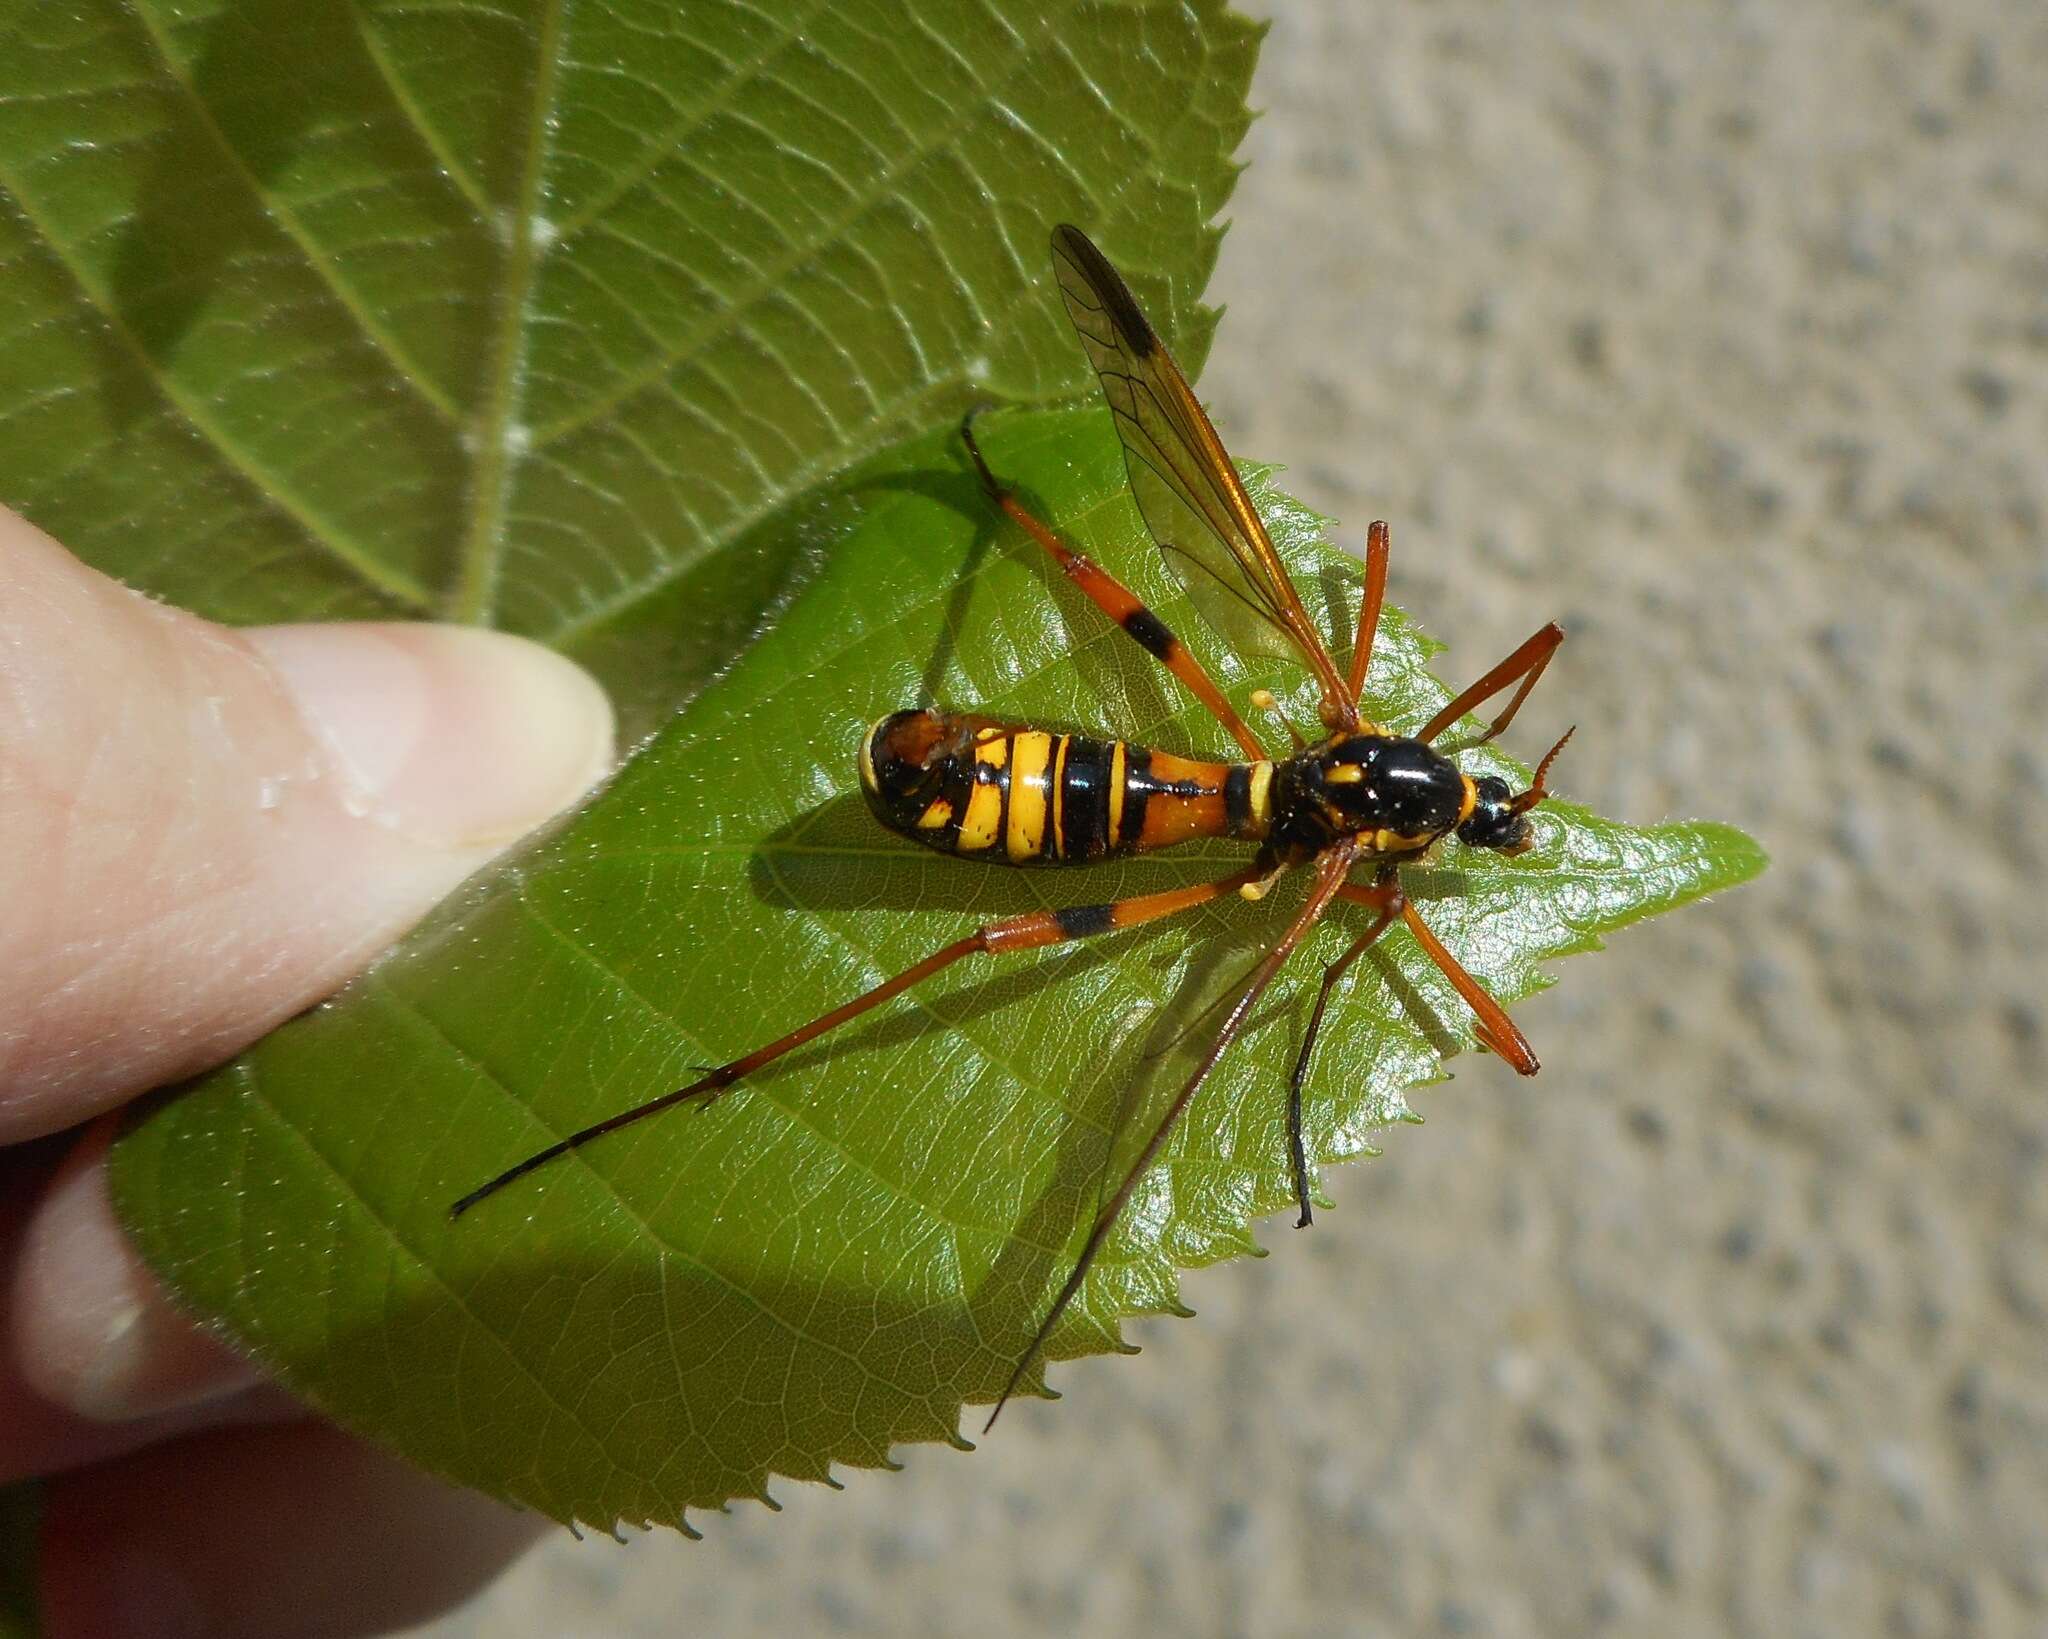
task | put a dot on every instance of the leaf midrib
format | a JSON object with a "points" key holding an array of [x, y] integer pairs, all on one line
{"points": [[473, 599]]}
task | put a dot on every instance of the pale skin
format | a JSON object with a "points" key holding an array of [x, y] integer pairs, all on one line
{"points": [[202, 831]]}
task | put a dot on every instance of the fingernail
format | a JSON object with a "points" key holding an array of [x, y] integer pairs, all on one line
{"points": [[451, 735], [93, 1330]]}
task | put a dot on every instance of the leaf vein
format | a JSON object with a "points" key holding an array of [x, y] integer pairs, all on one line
{"points": [[407, 369], [877, 190], [246, 1070], [475, 593], [270, 488], [765, 1090], [680, 1253]]}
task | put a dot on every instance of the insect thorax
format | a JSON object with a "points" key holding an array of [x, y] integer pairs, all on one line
{"points": [[1397, 794]]}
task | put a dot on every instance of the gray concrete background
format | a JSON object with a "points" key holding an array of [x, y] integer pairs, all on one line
{"points": [[1719, 332]]}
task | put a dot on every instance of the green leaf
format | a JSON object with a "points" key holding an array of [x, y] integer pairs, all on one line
{"points": [[619, 324], [832, 1259], [555, 317]]}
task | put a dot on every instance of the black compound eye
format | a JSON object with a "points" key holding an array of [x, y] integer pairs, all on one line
{"points": [[1493, 822]]}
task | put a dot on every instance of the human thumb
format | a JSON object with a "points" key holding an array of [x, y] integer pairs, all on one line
{"points": [[204, 830]]}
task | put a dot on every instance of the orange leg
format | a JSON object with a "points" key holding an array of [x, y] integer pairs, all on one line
{"points": [[1330, 869], [1369, 605], [1118, 602], [1527, 663], [1030, 932], [1497, 1032]]}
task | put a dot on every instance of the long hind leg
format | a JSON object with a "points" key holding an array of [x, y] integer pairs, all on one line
{"points": [[1385, 897], [1497, 1032], [1117, 601], [1330, 869], [1030, 932]]}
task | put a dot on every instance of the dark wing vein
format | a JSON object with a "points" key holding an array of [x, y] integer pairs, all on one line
{"points": [[1140, 444], [1182, 478]]}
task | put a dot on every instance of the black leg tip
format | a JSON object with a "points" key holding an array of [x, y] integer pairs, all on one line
{"points": [[988, 478]]}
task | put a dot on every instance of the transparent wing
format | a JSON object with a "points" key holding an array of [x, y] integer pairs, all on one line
{"points": [[1185, 485]]}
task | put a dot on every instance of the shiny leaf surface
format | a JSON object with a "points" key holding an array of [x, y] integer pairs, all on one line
{"points": [[551, 317], [831, 1260]]}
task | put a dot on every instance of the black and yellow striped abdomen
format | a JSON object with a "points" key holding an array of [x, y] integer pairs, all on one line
{"points": [[983, 789]]}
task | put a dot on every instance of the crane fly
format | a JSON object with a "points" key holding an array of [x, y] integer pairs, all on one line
{"points": [[1356, 803]]}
